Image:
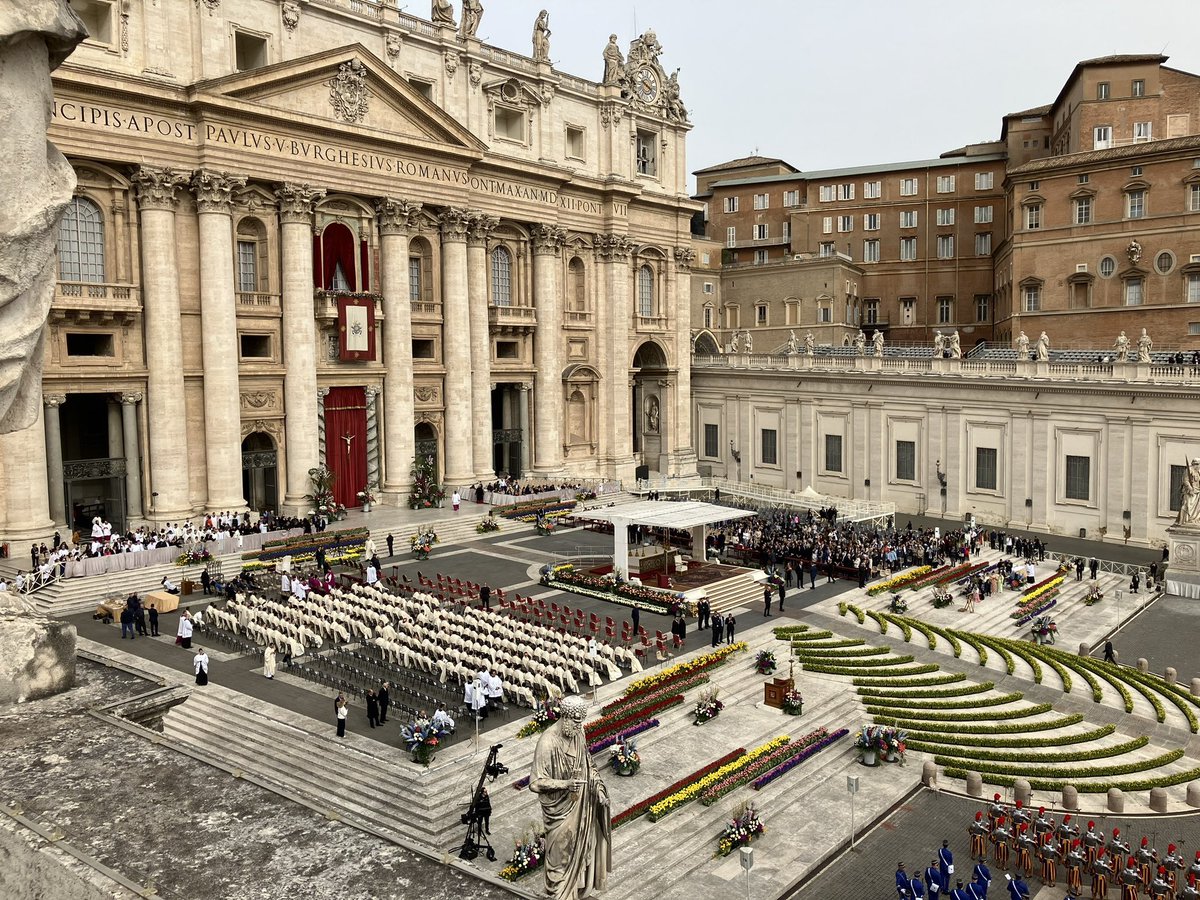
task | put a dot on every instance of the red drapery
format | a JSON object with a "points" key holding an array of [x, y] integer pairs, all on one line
{"points": [[337, 246], [346, 442]]}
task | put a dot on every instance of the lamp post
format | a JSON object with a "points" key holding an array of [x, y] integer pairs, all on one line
{"points": [[1119, 593], [747, 854], [852, 789]]}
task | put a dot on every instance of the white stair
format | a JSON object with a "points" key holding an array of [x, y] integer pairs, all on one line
{"points": [[744, 589]]}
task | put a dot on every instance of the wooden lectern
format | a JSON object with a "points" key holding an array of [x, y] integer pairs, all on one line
{"points": [[773, 691]]}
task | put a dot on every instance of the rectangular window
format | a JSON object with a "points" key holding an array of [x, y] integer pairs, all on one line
{"points": [[908, 310], [983, 307], [908, 187], [945, 216], [712, 441], [647, 153], [983, 181], [423, 348], [1033, 297], [1079, 478], [906, 461], [760, 315], [1101, 137], [1133, 291], [983, 215], [871, 221], [870, 251], [945, 184], [1193, 289], [256, 346], [1033, 216], [872, 190], [945, 310], [88, 344], [871, 312], [833, 453], [1102, 90], [760, 257], [1138, 89], [761, 232], [908, 218], [826, 193], [845, 224], [1178, 477], [508, 350], [250, 51], [1136, 204], [983, 243], [787, 231], [247, 257], [731, 236], [826, 248], [908, 249], [824, 315], [731, 204], [510, 124], [945, 246], [985, 468], [576, 146], [1083, 179], [708, 287], [1194, 198], [827, 225], [1143, 131], [762, 201], [845, 191], [770, 455], [1083, 210], [708, 317], [791, 198], [414, 279]]}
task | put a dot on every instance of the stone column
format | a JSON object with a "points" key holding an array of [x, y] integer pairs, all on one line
{"points": [[547, 349], [523, 419], [23, 455], [133, 454], [481, 345], [613, 253], [219, 339], [116, 448], [165, 402], [372, 436], [679, 306], [456, 348], [299, 340], [54, 458], [397, 220]]}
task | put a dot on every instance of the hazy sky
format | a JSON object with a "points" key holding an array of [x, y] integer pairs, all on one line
{"points": [[824, 84]]}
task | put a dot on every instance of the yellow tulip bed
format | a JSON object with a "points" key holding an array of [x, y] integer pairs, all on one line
{"points": [[696, 788], [688, 667], [899, 581]]}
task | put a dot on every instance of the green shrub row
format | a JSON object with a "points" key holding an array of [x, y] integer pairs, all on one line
{"points": [[1149, 687], [904, 703], [953, 756], [876, 660], [879, 620], [1010, 664], [822, 644], [967, 691], [1142, 765], [971, 641], [783, 632], [932, 743], [943, 678], [948, 636], [1114, 680], [843, 608], [921, 730], [868, 673], [882, 714], [827, 652]]}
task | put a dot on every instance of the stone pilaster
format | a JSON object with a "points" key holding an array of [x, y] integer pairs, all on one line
{"points": [[398, 219], [679, 306], [613, 254], [165, 402], [27, 502], [523, 390], [547, 349], [296, 202], [456, 347], [481, 345], [218, 337], [133, 455], [54, 458]]}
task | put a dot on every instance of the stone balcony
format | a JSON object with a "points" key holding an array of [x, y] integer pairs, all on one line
{"points": [[91, 302], [512, 319], [649, 323], [325, 304], [258, 303]]}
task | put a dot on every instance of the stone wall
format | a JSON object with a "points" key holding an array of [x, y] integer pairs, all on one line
{"points": [[37, 657], [30, 872]]}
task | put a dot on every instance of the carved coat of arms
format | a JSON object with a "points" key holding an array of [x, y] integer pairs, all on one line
{"points": [[348, 92]]}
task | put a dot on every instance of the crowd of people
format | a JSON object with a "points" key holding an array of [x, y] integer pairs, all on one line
{"points": [[514, 487]]}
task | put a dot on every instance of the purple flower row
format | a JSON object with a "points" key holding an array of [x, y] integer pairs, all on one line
{"points": [[1026, 619], [763, 780], [605, 743]]}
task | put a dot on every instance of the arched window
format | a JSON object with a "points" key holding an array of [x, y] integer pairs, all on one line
{"points": [[81, 242], [420, 271], [646, 292], [501, 277], [252, 267]]}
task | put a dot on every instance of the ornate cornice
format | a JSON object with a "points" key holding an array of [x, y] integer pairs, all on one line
{"points": [[397, 216], [613, 247], [296, 202], [481, 228], [454, 223], [547, 239], [156, 187], [214, 190]]}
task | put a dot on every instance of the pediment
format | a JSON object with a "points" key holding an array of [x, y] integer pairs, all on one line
{"points": [[348, 86], [513, 90]]}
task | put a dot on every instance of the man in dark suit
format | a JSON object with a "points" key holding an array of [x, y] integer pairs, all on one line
{"points": [[384, 700], [485, 596], [730, 622], [718, 627], [391, 541]]}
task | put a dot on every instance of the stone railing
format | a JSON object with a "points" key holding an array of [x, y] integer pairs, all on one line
{"points": [[257, 299], [72, 293], [512, 316], [650, 323], [579, 318], [512, 60], [426, 308]]}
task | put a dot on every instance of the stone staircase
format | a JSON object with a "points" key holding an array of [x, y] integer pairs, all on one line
{"points": [[744, 589]]}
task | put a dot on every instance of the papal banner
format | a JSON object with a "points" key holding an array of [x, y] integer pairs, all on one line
{"points": [[356, 328]]}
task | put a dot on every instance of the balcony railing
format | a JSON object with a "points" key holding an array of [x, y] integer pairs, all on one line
{"points": [[95, 301], [650, 323], [257, 299], [579, 318], [326, 302], [520, 318], [425, 308], [771, 241]]}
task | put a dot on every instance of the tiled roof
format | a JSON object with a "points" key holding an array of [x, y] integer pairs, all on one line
{"points": [[744, 162], [1190, 142], [1036, 111], [1118, 58]]}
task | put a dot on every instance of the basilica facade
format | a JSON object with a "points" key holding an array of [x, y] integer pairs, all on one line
{"points": [[330, 233]]}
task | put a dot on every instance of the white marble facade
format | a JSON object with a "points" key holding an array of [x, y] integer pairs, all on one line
{"points": [[522, 234]]}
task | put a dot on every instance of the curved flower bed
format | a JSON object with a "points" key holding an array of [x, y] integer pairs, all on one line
{"points": [[899, 581], [687, 667], [808, 752], [689, 793], [643, 806], [763, 764]]}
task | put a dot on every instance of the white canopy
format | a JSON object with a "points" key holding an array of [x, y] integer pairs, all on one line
{"points": [[667, 514]]}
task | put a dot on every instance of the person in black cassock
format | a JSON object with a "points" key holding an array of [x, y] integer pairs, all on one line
{"points": [[384, 701], [730, 621], [718, 626], [372, 709]]}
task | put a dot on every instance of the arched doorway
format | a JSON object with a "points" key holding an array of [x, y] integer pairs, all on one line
{"points": [[425, 438], [706, 344], [260, 478], [649, 405]]}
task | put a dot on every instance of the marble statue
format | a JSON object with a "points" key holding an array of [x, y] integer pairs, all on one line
{"points": [[939, 344], [541, 37], [749, 342], [1189, 498], [652, 413], [1022, 346], [442, 13], [877, 340], [675, 108], [614, 62], [1043, 347], [733, 342], [955, 346], [1122, 345], [792, 344], [472, 13], [1145, 345], [1134, 252], [809, 344], [860, 343], [575, 808], [36, 183]]}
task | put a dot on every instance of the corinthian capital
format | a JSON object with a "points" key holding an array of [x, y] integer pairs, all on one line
{"points": [[481, 228], [397, 216], [547, 239], [684, 257], [296, 202], [156, 187], [214, 190], [54, 400], [455, 222], [613, 247]]}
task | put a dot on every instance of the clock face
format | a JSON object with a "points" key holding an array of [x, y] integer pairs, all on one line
{"points": [[645, 85]]}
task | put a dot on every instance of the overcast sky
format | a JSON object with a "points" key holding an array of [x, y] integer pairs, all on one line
{"points": [[825, 84]]}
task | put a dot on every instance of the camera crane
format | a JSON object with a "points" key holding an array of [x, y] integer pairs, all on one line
{"points": [[474, 817]]}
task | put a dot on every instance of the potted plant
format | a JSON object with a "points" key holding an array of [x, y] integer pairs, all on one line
{"points": [[894, 743], [367, 496], [623, 756], [942, 598], [487, 524], [708, 707], [898, 604], [793, 703], [764, 662], [423, 737], [422, 543], [426, 492], [868, 742], [529, 853], [743, 828]]}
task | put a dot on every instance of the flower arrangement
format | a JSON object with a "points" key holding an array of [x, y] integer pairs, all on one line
{"points": [[487, 524], [616, 724], [193, 556], [623, 756], [881, 739], [793, 703], [741, 830], [1094, 595], [898, 604], [708, 707], [544, 525], [629, 702], [1043, 630], [422, 542], [544, 716], [696, 788], [323, 478], [426, 491], [897, 581], [764, 662], [423, 737], [942, 598], [686, 668], [528, 854], [945, 576], [368, 494], [566, 578], [762, 764]]}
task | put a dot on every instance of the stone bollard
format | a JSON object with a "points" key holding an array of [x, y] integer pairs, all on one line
{"points": [[974, 784], [1170, 676], [1193, 793], [1070, 797], [1022, 791], [929, 774], [1085, 650], [1116, 800], [1196, 687], [1143, 666], [1158, 800]]}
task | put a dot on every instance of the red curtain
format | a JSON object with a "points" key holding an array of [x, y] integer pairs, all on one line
{"points": [[337, 246], [346, 442], [364, 253]]}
